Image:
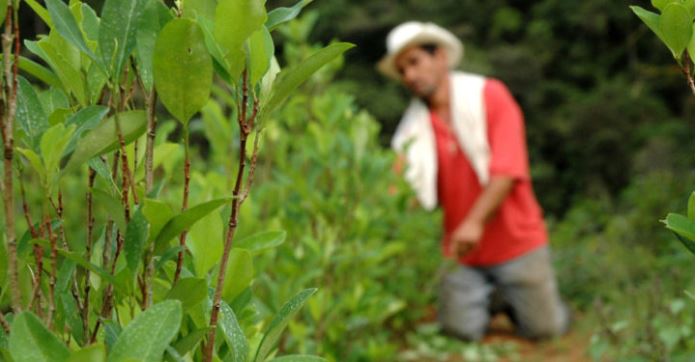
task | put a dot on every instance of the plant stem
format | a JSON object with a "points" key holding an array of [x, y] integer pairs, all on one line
{"points": [[150, 141], [9, 36], [4, 323], [686, 69], [53, 272], [25, 206], [148, 264], [244, 125], [185, 204], [88, 248]]}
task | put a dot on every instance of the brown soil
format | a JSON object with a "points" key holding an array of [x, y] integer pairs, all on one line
{"points": [[571, 347]]}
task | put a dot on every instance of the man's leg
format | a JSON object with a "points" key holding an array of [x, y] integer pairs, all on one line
{"points": [[528, 285], [463, 303]]}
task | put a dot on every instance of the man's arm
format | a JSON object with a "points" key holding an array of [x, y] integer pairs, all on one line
{"points": [[469, 232]]}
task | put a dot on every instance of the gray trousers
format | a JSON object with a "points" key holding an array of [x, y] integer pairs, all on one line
{"points": [[524, 286]]}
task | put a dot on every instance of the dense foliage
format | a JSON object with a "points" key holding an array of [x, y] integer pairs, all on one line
{"points": [[609, 137]]}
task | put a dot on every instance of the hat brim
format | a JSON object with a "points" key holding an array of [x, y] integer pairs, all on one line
{"points": [[452, 46]]}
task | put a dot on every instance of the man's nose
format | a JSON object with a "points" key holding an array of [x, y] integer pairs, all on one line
{"points": [[408, 75]]}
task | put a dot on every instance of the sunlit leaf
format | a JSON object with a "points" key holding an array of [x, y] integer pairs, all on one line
{"points": [[31, 341], [290, 79], [182, 69], [234, 336], [117, 33], [282, 15], [279, 323], [147, 336], [104, 138]]}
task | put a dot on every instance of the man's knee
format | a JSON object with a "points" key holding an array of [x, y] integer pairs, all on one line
{"points": [[468, 323], [546, 327], [463, 302]]}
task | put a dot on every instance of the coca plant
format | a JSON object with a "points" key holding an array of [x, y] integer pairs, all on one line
{"points": [[99, 265]]}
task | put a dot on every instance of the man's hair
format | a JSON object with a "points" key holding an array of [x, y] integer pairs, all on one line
{"points": [[429, 47]]}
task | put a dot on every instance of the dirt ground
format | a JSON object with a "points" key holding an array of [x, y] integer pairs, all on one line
{"points": [[571, 347]]}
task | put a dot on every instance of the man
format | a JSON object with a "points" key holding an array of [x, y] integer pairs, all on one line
{"points": [[463, 141]]}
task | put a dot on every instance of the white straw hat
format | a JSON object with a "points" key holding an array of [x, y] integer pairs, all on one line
{"points": [[415, 33]]}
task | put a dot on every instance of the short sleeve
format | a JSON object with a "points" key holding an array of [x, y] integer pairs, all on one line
{"points": [[505, 132]]}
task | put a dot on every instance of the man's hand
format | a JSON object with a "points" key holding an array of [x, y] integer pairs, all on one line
{"points": [[465, 238]]}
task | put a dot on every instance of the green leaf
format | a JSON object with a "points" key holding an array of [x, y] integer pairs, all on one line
{"points": [[53, 143], [147, 33], [182, 69], [214, 48], [676, 25], [104, 138], [205, 253], [158, 213], [235, 21], [111, 204], [72, 315], [290, 79], [3, 10], [30, 113], [136, 237], [93, 353], [262, 241], [189, 342], [79, 260], [261, 49], [681, 225], [117, 33], [90, 23], [196, 8], [239, 273], [299, 358], [692, 46], [85, 120], [185, 220], [147, 336], [660, 4], [65, 24], [282, 15], [189, 291], [35, 161], [38, 71], [279, 323], [65, 67], [691, 207], [40, 11], [649, 18], [30, 341], [234, 336]]}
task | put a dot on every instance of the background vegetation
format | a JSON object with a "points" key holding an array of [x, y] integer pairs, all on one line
{"points": [[611, 144]]}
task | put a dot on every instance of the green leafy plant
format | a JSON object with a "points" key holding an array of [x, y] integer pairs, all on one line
{"points": [[111, 272], [675, 27]]}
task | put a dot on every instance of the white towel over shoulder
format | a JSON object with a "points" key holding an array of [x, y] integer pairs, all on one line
{"points": [[414, 137]]}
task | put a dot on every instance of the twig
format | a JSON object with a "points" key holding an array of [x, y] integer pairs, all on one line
{"points": [[53, 273], [25, 206], [4, 323], [88, 249], [10, 107], [686, 69], [185, 204], [232, 222], [148, 264], [150, 141]]}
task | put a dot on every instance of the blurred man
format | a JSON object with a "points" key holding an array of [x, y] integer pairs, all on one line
{"points": [[463, 142]]}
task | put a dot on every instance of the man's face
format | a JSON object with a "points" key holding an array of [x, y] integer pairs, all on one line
{"points": [[420, 71]]}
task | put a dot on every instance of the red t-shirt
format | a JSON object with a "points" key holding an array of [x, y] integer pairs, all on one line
{"points": [[518, 226]]}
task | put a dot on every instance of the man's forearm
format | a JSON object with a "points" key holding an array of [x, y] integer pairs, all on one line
{"points": [[491, 198]]}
